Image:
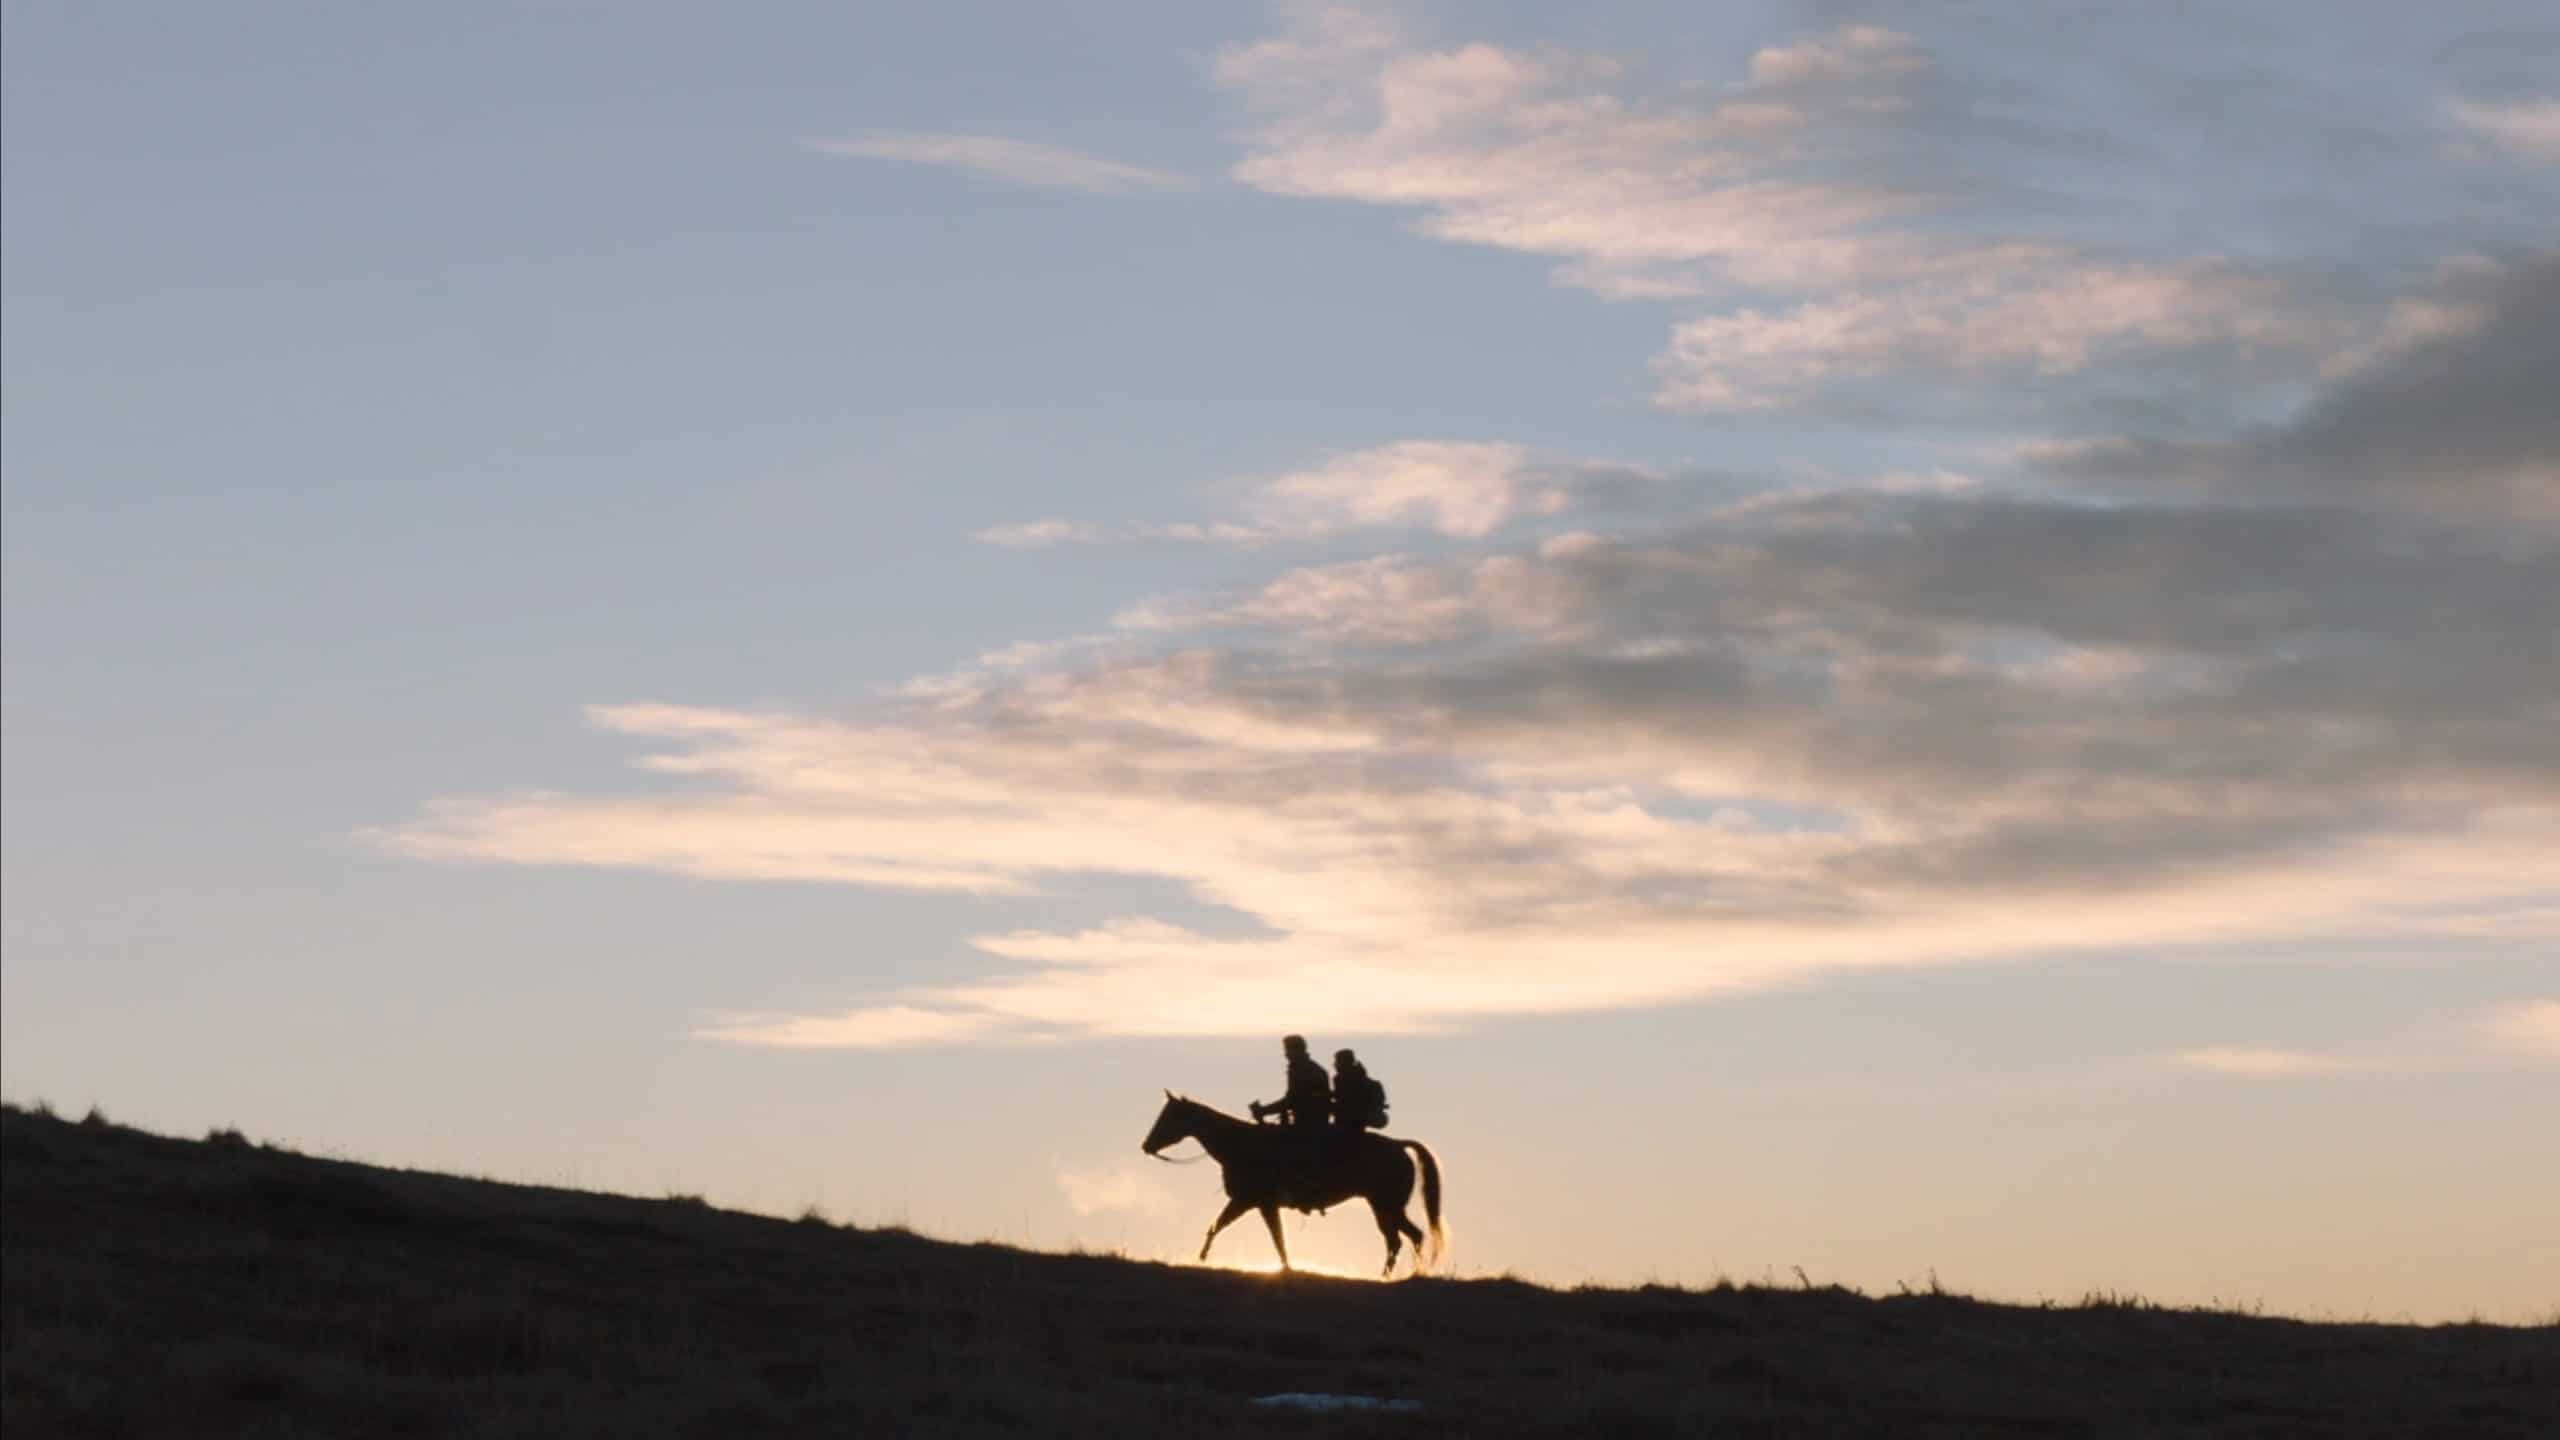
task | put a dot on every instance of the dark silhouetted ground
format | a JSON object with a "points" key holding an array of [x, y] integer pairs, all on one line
{"points": [[170, 1287]]}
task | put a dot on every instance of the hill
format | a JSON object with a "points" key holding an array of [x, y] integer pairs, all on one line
{"points": [[171, 1287]]}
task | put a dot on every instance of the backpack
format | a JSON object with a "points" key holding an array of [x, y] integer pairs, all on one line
{"points": [[1369, 1107]]}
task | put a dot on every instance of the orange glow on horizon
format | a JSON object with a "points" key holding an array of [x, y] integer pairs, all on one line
{"points": [[1270, 1265]]}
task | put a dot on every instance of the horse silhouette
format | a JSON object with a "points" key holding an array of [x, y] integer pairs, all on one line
{"points": [[1268, 1166]]}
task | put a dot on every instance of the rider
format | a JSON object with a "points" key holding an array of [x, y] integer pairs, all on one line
{"points": [[1359, 1101], [1309, 1098]]}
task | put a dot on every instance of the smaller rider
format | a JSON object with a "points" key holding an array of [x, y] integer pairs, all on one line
{"points": [[1309, 1098], [1359, 1101]]}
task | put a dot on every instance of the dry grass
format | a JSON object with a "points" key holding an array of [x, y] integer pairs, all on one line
{"points": [[171, 1287]]}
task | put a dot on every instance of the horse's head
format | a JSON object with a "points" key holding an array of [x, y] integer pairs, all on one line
{"points": [[1173, 1124]]}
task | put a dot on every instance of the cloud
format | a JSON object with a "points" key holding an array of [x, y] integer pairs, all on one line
{"points": [[1536, 153], [872, 1027], [1464, 490], [740, 837], [1842, 206], [2530, 1029], [2264, 1064], [1808, 732], [1016, 162], [2274, 654], [2526, 129], [1038, 534], [1123, 1190], [2449, 414], [1851, 52], [2016, 310]]}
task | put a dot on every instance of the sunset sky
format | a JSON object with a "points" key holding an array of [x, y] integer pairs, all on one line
{"points": [[1899, 640]]}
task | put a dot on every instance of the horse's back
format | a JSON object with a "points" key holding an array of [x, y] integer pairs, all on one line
{"points": [[1318, 1172]]}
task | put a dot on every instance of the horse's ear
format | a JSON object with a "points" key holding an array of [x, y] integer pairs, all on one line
{"points": [[1168, 1094]]}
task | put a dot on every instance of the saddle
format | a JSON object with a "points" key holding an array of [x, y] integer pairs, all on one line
{"points": [[1308, 1155]]}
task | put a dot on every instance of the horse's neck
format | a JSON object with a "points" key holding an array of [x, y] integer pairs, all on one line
{"points": [[1218, 1132]]}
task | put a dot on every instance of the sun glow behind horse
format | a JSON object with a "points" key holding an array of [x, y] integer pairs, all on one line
{"points": [[1270, 1265]]}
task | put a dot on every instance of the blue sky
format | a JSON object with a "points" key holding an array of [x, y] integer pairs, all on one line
{"points": [[1925, 637]]}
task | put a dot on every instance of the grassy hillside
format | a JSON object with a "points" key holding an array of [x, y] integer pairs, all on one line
{"points": [[171, 1287]]}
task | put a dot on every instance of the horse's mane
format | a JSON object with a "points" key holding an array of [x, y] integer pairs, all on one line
{"points": [[1211, 1110]]}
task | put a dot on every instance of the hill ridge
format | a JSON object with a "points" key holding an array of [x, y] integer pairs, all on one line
{"points": [[168, 1286]]}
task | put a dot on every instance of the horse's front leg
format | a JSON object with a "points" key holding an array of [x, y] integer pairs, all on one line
{"points": [[1225, 1218], [1271, 1217]]}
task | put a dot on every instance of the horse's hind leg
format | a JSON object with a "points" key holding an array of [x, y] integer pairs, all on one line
{"points": [[1271, 1217], [1389, 1224], [1225, 1218]]}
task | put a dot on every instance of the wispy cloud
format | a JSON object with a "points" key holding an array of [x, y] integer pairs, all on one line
{"points": [[1121, 1190], [1454, 489], [1540, 153], [1821, 188], [1464, 490], [2527, 129], [2526, 1030], [2265, 1064], [872, 1027], [1039, 534], [1016, 162], [2531, 1029], [2018, 310]]}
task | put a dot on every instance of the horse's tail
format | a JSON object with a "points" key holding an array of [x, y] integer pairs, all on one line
{"points": [[1430, 1201]]}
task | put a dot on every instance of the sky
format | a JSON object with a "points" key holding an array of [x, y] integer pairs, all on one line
{"points": [[1904, 641]]}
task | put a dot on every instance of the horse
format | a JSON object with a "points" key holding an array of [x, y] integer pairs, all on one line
{"points": [[1268, 1166]]}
